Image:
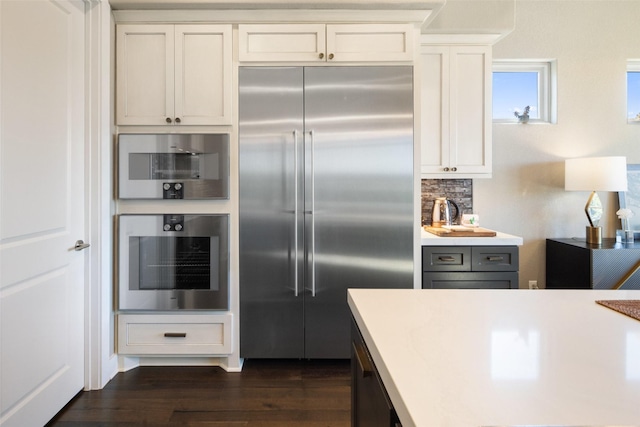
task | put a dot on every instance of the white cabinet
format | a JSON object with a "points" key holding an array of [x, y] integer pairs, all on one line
{"points": [[455, 111], [325, 43], [174, 334], [173, 74]]}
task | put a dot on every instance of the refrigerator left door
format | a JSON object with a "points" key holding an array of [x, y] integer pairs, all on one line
{"points": [[271, 203]]}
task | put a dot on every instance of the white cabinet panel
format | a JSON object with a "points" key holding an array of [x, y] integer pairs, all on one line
{"points": [[325, 43], [145, 74], [456, 111], [203, 74], [187, 334], [434, 118], [173, 74], [369, 42], [291, 42]]}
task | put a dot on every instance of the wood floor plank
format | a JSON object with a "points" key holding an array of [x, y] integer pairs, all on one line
{"points": [[283, 393]]}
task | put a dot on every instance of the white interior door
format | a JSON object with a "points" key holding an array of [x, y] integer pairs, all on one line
{"points": [[42, 184]]}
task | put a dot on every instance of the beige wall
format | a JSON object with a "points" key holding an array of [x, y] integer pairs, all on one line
{"points": [[591, 42]]}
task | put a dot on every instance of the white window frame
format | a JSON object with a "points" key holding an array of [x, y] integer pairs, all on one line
{"points": [[633, 65], [546, 70]]}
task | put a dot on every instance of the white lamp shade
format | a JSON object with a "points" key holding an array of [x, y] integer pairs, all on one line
{"points": [[596, 174]]}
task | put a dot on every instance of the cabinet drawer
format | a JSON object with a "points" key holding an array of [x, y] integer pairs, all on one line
{"points": [[174, 334], [481, 280], [494, 258], [446, 258]]}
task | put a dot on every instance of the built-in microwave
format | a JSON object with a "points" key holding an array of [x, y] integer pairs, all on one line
{"points": [[173, 166], [173, 262]]}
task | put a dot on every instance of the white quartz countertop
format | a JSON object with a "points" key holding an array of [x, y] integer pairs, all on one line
{"points": [[501, 239], [452, 358]]}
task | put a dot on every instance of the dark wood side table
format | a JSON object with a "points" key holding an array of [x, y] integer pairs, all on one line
{"points": [[575, 264]]}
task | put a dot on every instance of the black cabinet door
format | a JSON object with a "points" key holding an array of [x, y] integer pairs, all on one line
{"points": [[471, 280], [370, 404]]}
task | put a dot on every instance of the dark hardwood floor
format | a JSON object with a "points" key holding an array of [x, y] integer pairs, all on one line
{"points": [[267, 393]]}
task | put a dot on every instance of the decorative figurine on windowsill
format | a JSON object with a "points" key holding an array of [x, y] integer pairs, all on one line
{"points": [[524, 117]]}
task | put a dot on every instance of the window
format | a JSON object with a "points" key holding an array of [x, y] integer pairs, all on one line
{"points": [[633, 91], [521, 84]]}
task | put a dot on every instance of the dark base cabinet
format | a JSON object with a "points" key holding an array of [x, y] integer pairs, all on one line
{"points": [[370, 404], [470, 280], [574, 264], [470, 267]]}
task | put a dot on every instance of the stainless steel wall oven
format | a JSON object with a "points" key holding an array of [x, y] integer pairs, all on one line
{"points": [[173, 166], [173, 262]]}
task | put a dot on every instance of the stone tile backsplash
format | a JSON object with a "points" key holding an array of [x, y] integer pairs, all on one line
{"points": [[458, 190]]}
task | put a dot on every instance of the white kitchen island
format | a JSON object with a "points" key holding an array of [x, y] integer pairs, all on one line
{"points": [[451, 358]]}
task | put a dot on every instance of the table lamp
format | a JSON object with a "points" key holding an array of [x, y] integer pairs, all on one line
{"points": [[595, 174]]}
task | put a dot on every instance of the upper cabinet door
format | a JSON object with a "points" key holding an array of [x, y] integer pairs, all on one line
{"points": [[203, 74], [325, 43], [370, 42], [144, 74], [173, 74], [455, 111], [281, 43]]}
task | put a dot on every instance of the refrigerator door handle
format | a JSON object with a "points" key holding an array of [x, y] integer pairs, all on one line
{"points": [[295, 211], [313, 215]]}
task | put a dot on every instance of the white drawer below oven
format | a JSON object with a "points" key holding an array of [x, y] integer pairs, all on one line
{"points": [[179, 334]]}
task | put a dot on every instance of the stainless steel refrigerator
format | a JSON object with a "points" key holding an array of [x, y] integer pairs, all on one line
{"points": [[326, 201]]}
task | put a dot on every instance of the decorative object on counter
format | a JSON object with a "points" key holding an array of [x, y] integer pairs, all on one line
{"points": [[460, 231], [595, 174], [630, 307], [441, 214], [625, 214], [460, 190], [524, 117], [630, 199], [470, 220]]}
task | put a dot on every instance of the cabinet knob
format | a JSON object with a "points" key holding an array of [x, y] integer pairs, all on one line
{"points": [[178, 120], [168, 120], [321, 55], [454, 169], [446, 169], [331, 56]]}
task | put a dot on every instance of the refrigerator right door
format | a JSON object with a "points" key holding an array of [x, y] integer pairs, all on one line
{"points": [[358, 194]]}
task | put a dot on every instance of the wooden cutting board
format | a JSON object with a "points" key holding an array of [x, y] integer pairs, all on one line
{"points": [[461, 232]]}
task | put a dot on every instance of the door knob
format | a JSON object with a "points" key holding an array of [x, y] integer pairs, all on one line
{"points": [[80, 245]]}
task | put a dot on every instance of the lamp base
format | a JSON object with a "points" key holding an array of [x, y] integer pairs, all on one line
{"points": [[594, 235]]}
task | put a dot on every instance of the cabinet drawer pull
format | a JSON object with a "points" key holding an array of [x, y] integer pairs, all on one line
{"points": [[495, 258], [175, 334], [363, 360], [446, 258]]}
